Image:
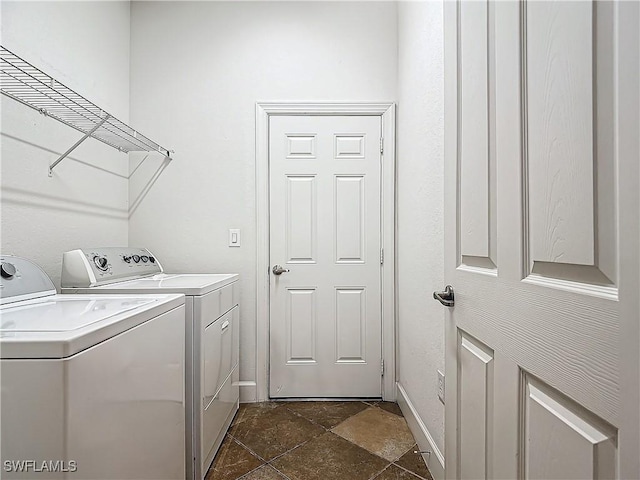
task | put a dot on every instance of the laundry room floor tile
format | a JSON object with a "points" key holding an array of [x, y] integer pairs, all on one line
{"points": [[327, 414], [274, 432], [232, 461], [390, 407], [319, 441], [414, 463], [395, 473], [378, 431], [329, 456], [253, 410], [264, 473]]}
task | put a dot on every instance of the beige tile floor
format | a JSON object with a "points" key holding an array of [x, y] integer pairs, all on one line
{"points": [[319, 441]]}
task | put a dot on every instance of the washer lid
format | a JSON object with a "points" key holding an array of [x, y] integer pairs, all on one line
{"points": [[65, 314], [187, 284], [58, 326]]}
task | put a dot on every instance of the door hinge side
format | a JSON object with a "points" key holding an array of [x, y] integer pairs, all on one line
{"points": [[381, 145], [382, 256], [382, 367]]}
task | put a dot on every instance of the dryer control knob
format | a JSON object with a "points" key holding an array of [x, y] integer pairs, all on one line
{"points": [[101, 262], [152, 260], [136, 258], [7, 270]]}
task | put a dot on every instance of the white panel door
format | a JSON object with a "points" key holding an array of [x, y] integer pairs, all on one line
{"points": [[533, 206], [325, 310]]}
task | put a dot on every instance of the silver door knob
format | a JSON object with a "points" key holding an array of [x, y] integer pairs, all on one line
{"points": [[278, 270], [446, 298]]}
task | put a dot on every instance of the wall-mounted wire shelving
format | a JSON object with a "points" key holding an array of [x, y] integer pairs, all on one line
{"points": [[32, 87]]}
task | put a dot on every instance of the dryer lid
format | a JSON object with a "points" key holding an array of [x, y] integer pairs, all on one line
{"points": [[188, 284]]}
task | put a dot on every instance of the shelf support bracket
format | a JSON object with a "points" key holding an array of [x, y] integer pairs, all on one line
{"points": [[77, 144]]}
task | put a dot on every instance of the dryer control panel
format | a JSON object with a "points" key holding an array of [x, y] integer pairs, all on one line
{"points": [[100, 266]]}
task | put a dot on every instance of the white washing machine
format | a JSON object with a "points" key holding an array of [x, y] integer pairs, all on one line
{"points": [[212, 334], [92, 386]]}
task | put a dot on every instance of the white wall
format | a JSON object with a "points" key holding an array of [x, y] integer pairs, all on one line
{"points": [[420, 208], [85, 45], [198, 69]]}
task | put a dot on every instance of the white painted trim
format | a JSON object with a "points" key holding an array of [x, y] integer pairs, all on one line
{"points": [[263, 111], [424, 439], [451, 249], [247, 391], [281, 108], [389, 245], [262, 254], [627, 71]]}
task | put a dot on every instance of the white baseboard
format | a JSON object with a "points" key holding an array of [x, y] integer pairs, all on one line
{"points": [[435, 461], [248, 392]]}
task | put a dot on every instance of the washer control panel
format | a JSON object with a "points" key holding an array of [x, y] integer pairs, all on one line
{"points": [[96, 266], [21, 279]]}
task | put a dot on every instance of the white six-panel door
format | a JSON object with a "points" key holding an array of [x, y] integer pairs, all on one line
{"points": [[532, 227], [325, 228]]}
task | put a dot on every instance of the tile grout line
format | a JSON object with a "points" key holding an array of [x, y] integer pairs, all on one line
{"points": [[407, 470], [338, 436], [284, 405], [248, 449], [328, 429], [307, 419], [281, 473], [290, 450], [266, 463], [415, 445], [249, 472], [380, 472], [243, 446]]}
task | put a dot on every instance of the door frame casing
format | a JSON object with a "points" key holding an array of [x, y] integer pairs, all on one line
{"points": [[385, 110]]}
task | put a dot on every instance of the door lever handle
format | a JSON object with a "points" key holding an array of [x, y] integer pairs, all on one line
{"points": [[278, 270], [446, 298]]}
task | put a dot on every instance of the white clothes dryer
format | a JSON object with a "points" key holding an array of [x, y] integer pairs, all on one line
{"points": [[212, 334], [92, 386]]}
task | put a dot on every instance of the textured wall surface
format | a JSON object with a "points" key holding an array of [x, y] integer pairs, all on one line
{"points": [[420, 208], [84, 45], [198, 68]]}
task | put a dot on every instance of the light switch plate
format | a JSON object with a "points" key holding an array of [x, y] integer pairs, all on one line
{"points": [[234, 237]]}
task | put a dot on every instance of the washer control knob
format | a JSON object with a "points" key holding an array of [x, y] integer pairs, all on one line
{"points": [[7, 270], [144, 258], [136, 258], [152, 260], [101, 262], [126, 258]]}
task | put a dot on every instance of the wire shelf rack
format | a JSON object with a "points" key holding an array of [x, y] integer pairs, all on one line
{"points": [[32, 87]]}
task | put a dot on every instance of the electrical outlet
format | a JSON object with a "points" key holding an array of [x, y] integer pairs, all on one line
{"points": [[441, 386]]}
